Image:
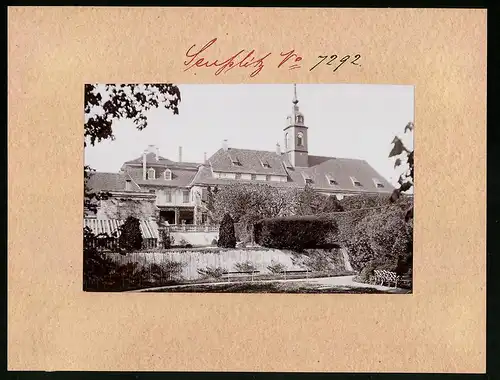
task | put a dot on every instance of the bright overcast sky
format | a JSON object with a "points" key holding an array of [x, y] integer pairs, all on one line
{"points": [[344, 120]]}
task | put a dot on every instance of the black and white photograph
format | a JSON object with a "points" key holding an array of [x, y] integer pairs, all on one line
{"points": [[248, 188]]}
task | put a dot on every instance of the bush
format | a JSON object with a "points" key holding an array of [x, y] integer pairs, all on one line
{"points": [[276, 268], [246, 266], [227, 237], [130, 235], [296, 233], [214, 272], [167, 239]]}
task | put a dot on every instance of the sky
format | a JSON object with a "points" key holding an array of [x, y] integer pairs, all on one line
{"points": [[344, 120]]}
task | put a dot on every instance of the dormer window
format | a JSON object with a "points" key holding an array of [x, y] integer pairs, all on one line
{"points": [[307, 179], [151, 173], [167, 174], [300, 139], [265, 164], [378, 184], [356, 183], [332, 181]]}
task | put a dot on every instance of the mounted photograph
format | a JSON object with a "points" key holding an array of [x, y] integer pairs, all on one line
{"points": [[248, 188]]}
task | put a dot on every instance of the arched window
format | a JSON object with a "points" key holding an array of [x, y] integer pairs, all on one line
{"points": [[151, 173], [167, 174], [286, 141], [300, 119], [300, 139]]}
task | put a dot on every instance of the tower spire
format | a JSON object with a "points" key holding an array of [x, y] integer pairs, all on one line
{"points": [[295, 99]]}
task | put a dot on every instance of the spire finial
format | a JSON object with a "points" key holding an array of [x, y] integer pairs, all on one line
{"points": [[295, 99]]}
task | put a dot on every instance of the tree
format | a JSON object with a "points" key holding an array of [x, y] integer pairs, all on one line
{"points": [[130, 235], [403, 157], [227, 237], [104, 104]]}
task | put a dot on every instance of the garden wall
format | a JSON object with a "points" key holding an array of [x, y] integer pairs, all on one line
{"points": [[194, 259], [195, 238]]}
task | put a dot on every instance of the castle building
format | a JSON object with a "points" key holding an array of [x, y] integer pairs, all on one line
{"points": [[173, 189]]}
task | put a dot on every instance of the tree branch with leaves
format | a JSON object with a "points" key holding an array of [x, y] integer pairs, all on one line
{"points": [[404, 157]]}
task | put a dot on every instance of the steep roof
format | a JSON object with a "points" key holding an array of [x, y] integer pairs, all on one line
{"points": [[323, 173], [247, 161], [181, 177], [100, 181], [161, 162]]}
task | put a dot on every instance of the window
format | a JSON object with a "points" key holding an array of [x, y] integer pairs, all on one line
{"points": [[307, 178], [355, 182], [265, 164], [153, 191], [268, 177], [238, 176], [300, 139], [378, 184], [300, 119], [151, 173], [332, 181], [185, 196], [167, 174], [286, 141], [128, 185], [168, 196], [236, 162], [253, 177]]}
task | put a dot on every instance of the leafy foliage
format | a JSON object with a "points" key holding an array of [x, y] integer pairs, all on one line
{"points": [[296, 233], [403, 156], [130, 238], [214, 272], [383, 239], [246, 266], [166, 238], [276, 268], [227, 238], [103, 104]]}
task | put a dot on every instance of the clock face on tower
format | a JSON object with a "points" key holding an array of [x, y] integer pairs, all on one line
{"points": [[300, 139]]}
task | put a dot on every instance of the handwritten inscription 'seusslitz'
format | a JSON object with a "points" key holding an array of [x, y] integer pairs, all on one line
{"points": [[204, 57], [244, 58]]}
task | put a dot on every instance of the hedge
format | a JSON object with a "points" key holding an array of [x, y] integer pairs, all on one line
{"points": [[297, 232]]}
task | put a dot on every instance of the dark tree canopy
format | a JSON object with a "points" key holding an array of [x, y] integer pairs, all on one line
{"points": [[403, 155], [227, 237], [109, 102]]}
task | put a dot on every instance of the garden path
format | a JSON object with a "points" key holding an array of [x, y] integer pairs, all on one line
{"points": [[322, 283]]}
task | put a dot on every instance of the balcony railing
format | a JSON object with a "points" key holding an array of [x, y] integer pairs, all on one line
{"points": [[191, 228]]}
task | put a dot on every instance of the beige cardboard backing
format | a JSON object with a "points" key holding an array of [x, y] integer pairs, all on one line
{"points": [[53, 325]]}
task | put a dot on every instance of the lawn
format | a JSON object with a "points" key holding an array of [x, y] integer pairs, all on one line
{"points": [[268, 287]]}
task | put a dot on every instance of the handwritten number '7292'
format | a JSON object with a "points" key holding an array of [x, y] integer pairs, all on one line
{"points": [[332, 59]]}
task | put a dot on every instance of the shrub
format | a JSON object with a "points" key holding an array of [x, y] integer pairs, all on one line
{"points": [[130, 235], [276, 268], [167, 239], [215, 272], [246, 266], [227, 237], [296, 233]]}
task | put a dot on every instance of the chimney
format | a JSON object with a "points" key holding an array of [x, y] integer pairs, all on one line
{"points": [[180, 154], [144, 164], [224, 145], [278, 149], [205, 157], [157, 153]]}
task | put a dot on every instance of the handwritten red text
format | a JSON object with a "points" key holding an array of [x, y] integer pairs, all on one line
{"points": [[243, 59]]}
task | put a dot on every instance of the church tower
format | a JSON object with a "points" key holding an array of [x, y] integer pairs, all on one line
{"points": [[296, 136]]}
